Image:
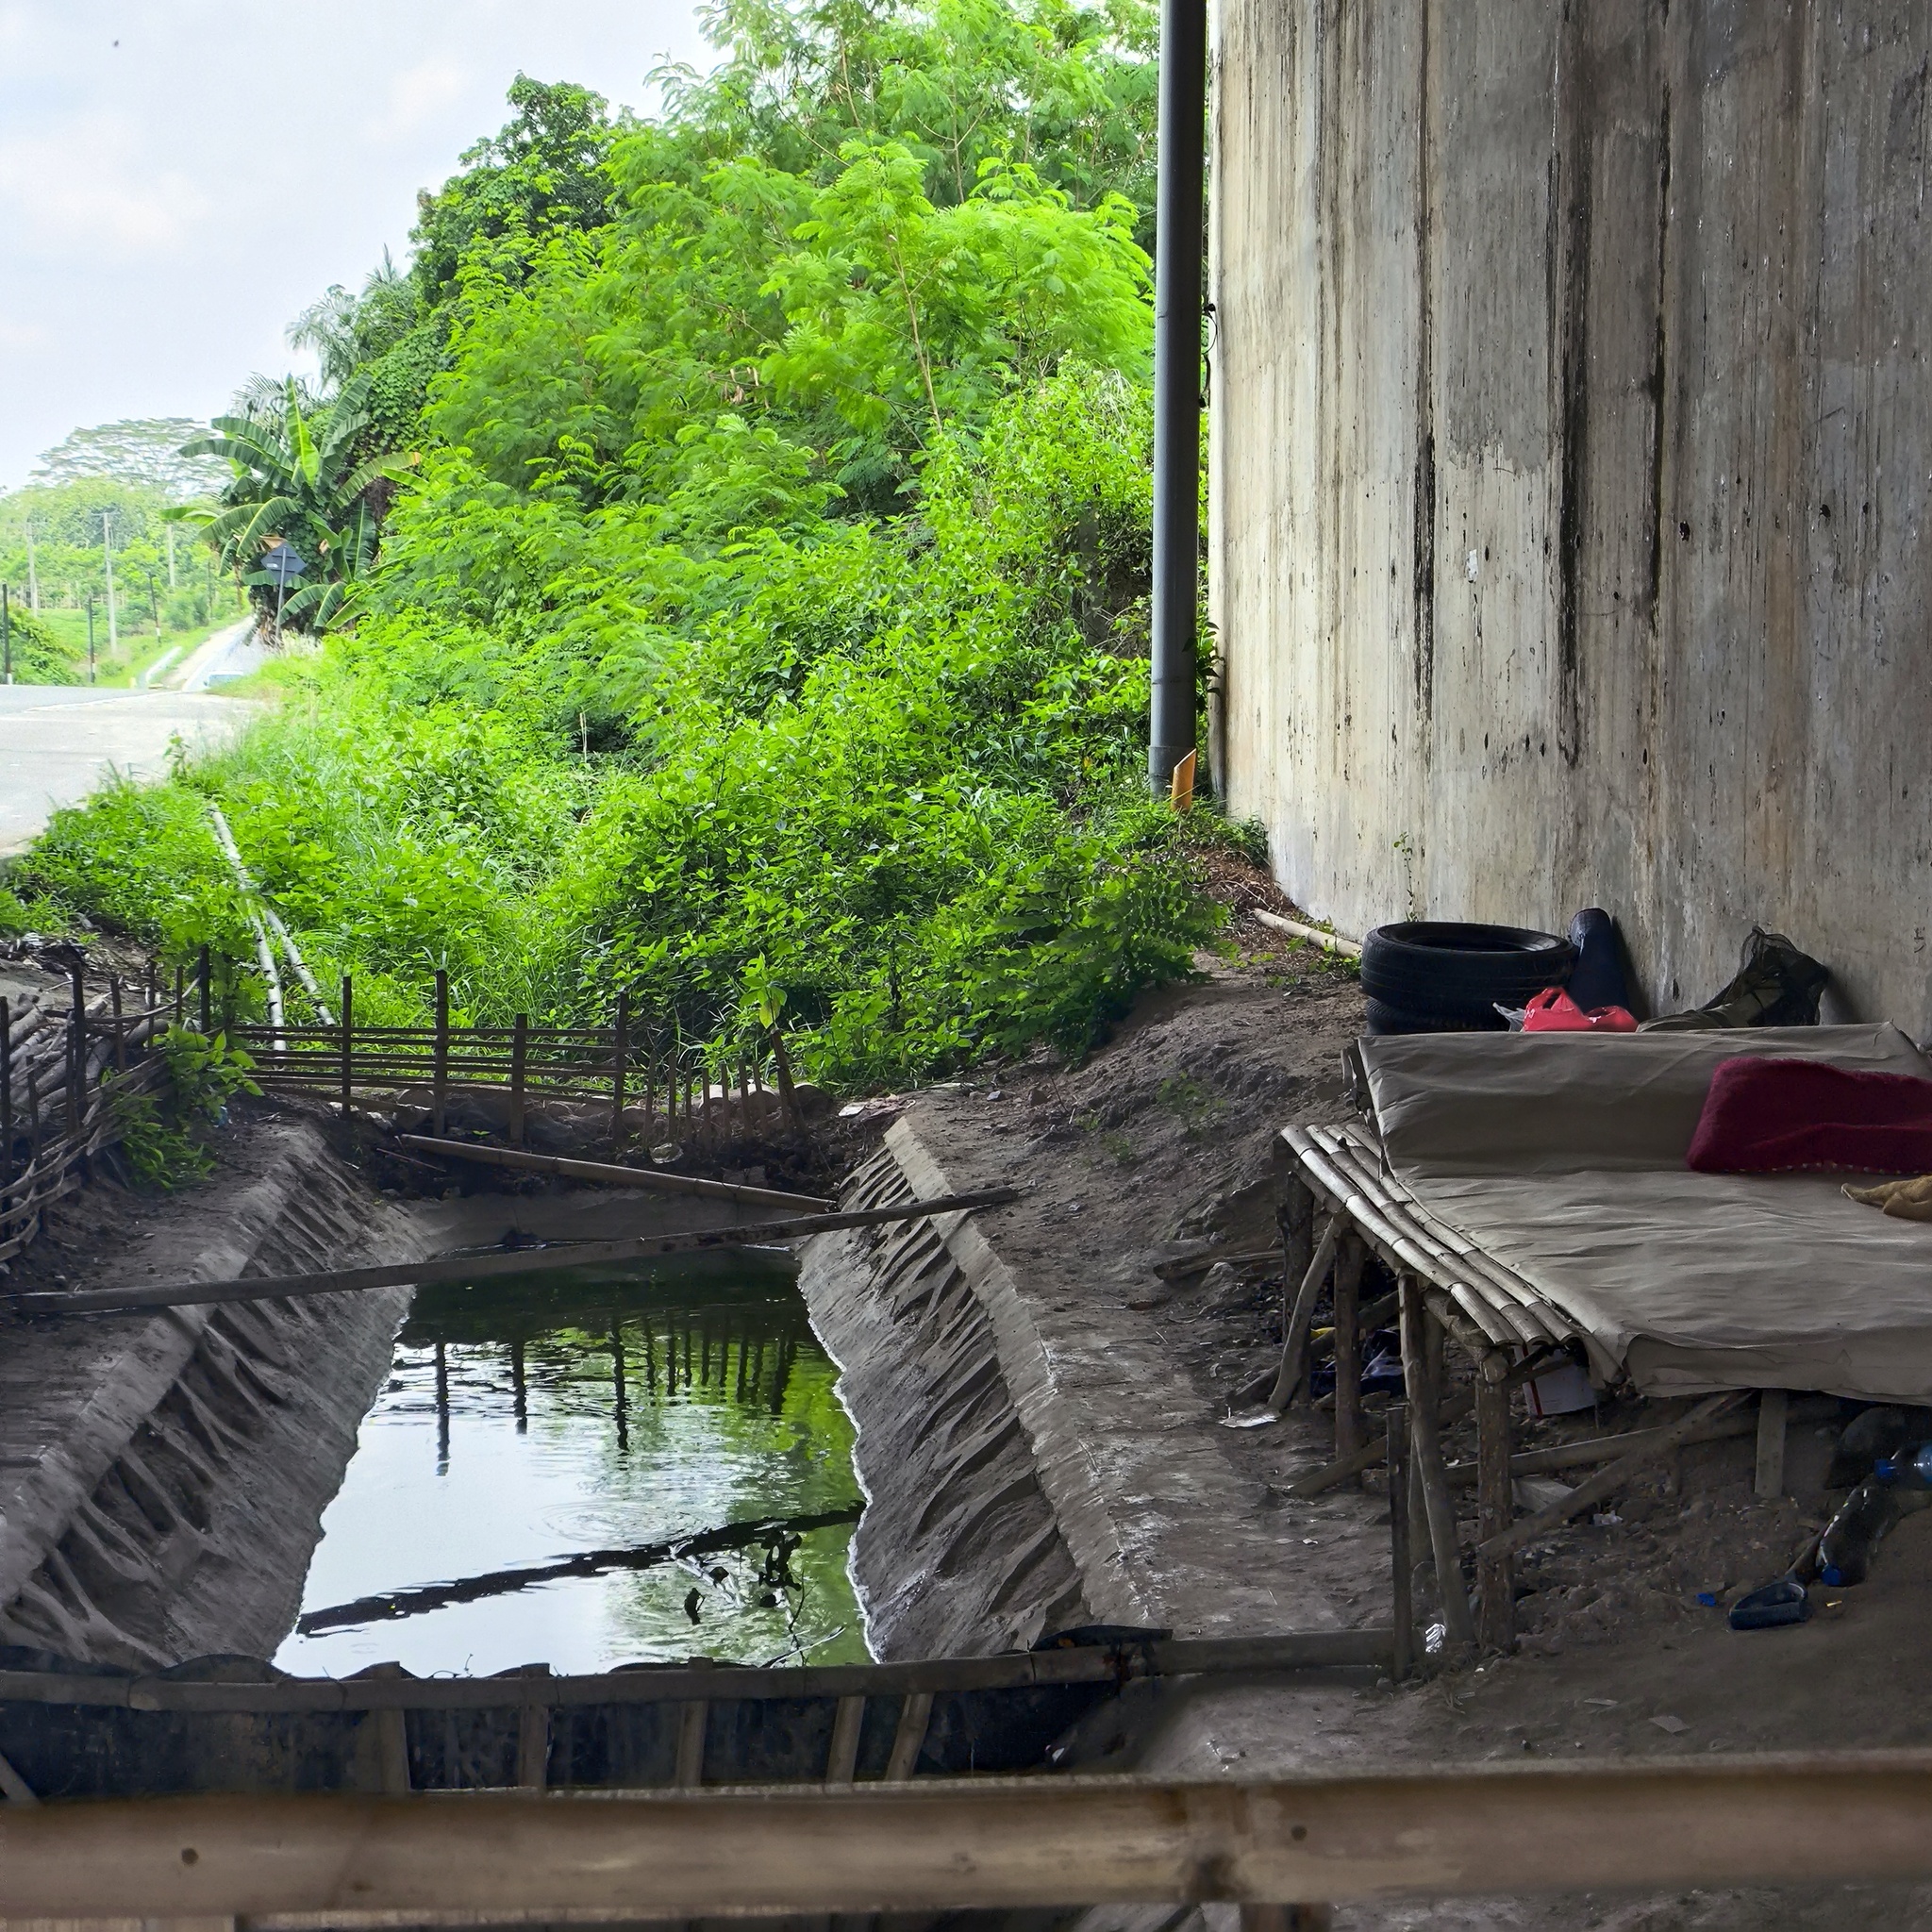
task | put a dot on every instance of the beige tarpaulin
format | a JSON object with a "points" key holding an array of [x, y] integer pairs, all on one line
{"points": [[1562, 1155]]}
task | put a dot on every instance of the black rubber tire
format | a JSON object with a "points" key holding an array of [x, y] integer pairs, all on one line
{"points": [[1440, 970]]}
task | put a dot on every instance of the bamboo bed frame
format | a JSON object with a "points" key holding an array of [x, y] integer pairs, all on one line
{"points": [[1449, 1290]]}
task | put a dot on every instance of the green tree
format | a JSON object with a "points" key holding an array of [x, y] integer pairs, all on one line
{"points": [[296, 481], [541, 175]]}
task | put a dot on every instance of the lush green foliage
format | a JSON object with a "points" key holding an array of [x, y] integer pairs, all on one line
{"points": [[297, 483], [763, 628], [164, 1140]]}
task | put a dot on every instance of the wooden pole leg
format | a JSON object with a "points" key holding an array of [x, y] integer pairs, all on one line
{"points": [[1401, 1562], [1426, 1442], [1495, 1578], [1772, 1409], [1350, 1433]]}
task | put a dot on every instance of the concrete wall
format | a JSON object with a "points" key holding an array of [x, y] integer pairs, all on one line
{"points": [[1571, 440]]}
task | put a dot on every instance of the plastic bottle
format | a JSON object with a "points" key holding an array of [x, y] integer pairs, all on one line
{"points": [[1845, 1551], [1909, 1469]]}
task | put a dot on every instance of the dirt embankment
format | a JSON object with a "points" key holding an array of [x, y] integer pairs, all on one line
{"points": [[1113, 1383]]}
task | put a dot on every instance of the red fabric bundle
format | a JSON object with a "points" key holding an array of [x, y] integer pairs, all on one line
{"points": [[1766, 1116], [1555, 1011]]}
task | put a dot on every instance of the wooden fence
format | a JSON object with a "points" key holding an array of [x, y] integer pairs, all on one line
{"points": [[63, 1075], [651, 1089]]}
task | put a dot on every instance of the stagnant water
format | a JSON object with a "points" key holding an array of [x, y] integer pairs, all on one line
{"points": [[590, 1468]]}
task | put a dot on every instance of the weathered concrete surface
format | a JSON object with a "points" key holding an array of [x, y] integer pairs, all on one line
{"points": [[1571, 440], [162, 1476]]}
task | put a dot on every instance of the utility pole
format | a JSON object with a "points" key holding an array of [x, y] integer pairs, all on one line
{"points": [[107, 561], [89, 637], [154, 600], [33, 581], [169, 529]]}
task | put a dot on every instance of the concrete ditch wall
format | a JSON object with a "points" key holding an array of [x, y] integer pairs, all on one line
{"points": [[164, 1476], [1572, 439]]}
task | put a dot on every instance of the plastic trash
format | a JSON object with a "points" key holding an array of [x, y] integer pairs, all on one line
{"points": [[1871, 1434], [1864, 1519], [1771, 1605], [1909, 1469], [1555, 1011]]}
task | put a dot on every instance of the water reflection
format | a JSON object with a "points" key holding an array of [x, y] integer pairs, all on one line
{"points": [[639, 1439]]}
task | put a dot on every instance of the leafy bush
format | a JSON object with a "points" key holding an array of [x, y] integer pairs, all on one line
{"points": [[765, 622]]}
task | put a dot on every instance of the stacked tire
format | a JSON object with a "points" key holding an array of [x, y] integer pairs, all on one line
{"points": [[1444, 976]]}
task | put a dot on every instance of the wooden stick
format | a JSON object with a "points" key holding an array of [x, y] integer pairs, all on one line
{"points": [[1450, 1410], [1773, 1408], [481, 1267], [348, 1043], [1293, 1650], [1298, 1316], [1426, 1442], [1348, 1346], [1595, 1449], [1607, 1481], [519, 1050], [1495, 1582], [120, 1032], [650, 1180], [1475, 1830], [439, 1090], [619, 1059], [1402, 1564]]}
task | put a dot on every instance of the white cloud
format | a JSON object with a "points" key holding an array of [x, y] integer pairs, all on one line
{"points": [[419, 96], [177, 181], [83, 186]]}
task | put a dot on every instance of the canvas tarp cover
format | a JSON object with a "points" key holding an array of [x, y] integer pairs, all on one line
{"points": [[1562, 1155]]}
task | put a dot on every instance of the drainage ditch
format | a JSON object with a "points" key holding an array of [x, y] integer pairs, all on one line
{"points": [[590, 1469]]}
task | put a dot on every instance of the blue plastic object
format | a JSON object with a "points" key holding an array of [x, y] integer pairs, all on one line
{"points": [[1772, 1606], [1597, 977]]}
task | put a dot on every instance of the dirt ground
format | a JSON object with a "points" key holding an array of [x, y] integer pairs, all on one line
{"points": [[1163, 1139]]}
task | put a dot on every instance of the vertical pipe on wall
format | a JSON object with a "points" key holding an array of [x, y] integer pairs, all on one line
{"points": [[1177, 264]]}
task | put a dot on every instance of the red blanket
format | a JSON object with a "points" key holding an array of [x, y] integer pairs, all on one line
{"points": [[1766, 1116]]}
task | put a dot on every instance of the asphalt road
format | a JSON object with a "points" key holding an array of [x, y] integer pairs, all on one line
{"points": [[58, 743]]}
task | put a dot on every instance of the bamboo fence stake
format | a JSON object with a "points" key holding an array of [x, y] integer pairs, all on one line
{"points": [[120, 1032], [180, 997], [439, 1090], [1495, 1581], [348, 1039], [519, 1055], [646, 1179], [1425, 1441], [1401, 1563], [620, 1058], [1349, 1432]]}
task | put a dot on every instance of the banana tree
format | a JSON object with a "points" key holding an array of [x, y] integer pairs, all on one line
{"points": [[295, 481]]}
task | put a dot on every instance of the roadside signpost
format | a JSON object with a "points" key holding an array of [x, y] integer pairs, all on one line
{"points": [[284, 564]]}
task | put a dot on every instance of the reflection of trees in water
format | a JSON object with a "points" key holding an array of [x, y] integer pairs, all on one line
{"points": [[742, 1355]]}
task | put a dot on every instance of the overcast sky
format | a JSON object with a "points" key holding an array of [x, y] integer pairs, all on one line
{"points": [[178, 177]]}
